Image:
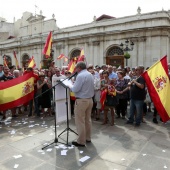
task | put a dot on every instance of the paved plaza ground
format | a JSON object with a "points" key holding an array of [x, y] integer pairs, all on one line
{"points": [[116, 147]]}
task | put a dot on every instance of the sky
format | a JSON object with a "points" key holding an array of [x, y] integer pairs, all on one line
{"points": [[76, 12]]}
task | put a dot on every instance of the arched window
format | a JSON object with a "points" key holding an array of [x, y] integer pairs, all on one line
{"points": [[25, 61], [114, 51], [115, 57], [75, 53], [8, 60]]}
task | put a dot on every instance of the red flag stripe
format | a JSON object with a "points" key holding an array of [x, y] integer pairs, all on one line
{"points": [[15, 81], [18, 102], [47, 44]]}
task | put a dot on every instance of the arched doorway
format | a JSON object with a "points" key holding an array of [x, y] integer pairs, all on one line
{"points": [[115, 57], [25, 61], [75, 53]]}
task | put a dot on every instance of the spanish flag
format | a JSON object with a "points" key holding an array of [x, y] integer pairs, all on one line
{"points": [[48, 45], [158, 85], [60, 56], [16, 92], [103, 98], [5, 63], [65, 59], [32, 63], [72, 65], [16, 60], [81, 57]]}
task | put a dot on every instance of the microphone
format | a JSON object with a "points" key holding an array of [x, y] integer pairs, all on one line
{"points": [[73, 75]]}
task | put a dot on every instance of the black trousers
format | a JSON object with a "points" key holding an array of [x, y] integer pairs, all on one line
{"points": [[121, 107]]}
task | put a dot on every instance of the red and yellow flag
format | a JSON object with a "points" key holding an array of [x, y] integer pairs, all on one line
{"points": [[158, 85], [65, 59], [60, 56], [48, 45], [5, 63], [16, 92], [82, 56], [103, 98], [72, 65], [16, 60], [32, 63]]}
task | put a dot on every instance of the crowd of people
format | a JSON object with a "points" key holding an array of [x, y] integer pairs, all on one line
{"points": [[97, 89], [114, 89]]}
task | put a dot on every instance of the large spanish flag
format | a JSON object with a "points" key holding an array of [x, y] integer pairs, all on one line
{"points": [[16, 92], [48, 45], [158, 85]]}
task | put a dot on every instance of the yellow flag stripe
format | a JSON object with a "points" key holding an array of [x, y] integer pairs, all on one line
{"points": [[15, 92], [164, 90], [49, 47]]}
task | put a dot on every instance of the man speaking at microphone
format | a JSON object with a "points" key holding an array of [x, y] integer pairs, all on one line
{"points": [[84, 91]]}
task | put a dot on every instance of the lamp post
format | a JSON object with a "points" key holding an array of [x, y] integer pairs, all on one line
{"points": [[127, 46]]}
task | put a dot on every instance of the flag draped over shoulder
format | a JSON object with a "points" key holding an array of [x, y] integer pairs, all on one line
{"points": [[48, 45], [158, 85], [16, 60], [32, 63], [16, 92]]}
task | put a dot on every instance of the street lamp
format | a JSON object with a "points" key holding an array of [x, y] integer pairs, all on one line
{"points": [[125, 47]]}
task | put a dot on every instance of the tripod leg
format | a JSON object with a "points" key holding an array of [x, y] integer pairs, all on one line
{"points": [[62, 132], [73, 131]]}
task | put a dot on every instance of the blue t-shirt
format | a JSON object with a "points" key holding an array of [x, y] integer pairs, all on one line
{"points": [[113, 75]]}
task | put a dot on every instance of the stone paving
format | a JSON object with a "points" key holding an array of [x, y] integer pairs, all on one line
{"points": [[116, 147]]}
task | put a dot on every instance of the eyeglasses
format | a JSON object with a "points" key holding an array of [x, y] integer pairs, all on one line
{"points": [[66, 73]]}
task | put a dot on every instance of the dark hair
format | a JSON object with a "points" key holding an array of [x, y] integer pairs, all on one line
{"points": [[11, 67], [121, 73], [105, 72], [30, 68]]}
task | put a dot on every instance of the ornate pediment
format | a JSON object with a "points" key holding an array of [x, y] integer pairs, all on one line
{"points": [[35, 18]]}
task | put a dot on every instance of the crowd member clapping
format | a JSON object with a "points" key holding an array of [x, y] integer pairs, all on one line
{"points": [[43, 86]]}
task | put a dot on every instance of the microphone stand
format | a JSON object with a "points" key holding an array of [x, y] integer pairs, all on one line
{"points": [[68, 128]]}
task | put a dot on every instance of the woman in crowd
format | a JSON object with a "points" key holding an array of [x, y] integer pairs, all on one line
{"points": [[97, 94], [45, 99], [122, 86], [111, 101]]}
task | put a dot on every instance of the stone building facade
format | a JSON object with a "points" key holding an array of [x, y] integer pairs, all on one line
{"points": [[100, 39]]}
